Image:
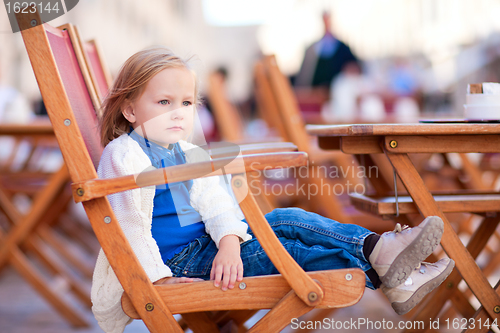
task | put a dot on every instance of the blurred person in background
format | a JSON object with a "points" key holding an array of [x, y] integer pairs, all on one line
{"points": [[353, 97], [14, 108], [324, 59], [404, 90]]}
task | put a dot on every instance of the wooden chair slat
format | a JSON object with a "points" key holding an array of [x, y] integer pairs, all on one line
{"points": [[260, 292], [96, 65], [472, 203]]}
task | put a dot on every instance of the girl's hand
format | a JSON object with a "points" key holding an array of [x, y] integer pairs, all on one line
{"points": [[227, 265], [172, 280]]}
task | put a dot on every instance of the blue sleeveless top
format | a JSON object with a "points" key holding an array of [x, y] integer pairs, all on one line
{"points": [[175, 222]]}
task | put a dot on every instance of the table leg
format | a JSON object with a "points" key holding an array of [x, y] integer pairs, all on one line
{"points": [[465, 263], [482, 317]]}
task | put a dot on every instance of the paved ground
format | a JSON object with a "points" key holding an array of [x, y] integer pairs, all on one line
{"points": [[22, 310]]}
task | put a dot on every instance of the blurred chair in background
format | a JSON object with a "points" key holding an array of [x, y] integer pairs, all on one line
{"points": [[34, 228], [283, 104]]}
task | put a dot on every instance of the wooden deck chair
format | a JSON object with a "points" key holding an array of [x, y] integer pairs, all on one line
{"points": [[288, 295], [228, 119], [56, 242], [283, 103], [266, 103], [231, 127], [22, 235], [229, 122]]}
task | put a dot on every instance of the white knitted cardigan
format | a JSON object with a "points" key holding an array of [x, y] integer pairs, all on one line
{"points": [[134, 209]]}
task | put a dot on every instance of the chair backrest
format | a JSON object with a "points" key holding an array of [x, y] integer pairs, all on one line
{"points": [[98, 69], [229, 122], [288, 107], [67, 52], [266, 103]]}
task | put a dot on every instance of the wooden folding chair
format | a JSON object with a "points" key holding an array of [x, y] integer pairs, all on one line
{"points": [[100, 78], [287, 118], [227, 119], [288, 295], [231, 128]]}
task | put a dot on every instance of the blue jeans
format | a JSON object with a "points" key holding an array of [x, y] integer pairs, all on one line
{"points": [[315, 242]]}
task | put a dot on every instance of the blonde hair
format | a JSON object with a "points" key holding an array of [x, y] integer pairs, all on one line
{"points": [[129, 85]]}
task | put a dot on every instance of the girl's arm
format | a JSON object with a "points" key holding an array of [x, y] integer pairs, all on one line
{"points": [[227, 265], [223, 221]]}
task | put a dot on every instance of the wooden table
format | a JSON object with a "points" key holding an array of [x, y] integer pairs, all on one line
{"points": [[396, 141]]}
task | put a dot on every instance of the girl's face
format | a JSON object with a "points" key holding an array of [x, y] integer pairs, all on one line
{"points": [[164, 113]]}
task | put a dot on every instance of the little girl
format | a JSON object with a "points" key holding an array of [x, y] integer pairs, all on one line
{"points": [[188, 231]]}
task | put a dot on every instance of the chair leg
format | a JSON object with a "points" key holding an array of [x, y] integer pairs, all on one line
{"points": [[319, 315], [30, 274], [291, 306], [235, 320], [58, 270], [200, 322], [51, 239]]}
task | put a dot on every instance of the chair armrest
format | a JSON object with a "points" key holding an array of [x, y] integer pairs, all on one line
{"points": [[96, 188], [259, 140], [227, 149]]}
